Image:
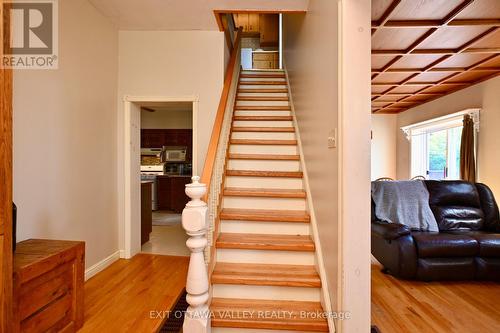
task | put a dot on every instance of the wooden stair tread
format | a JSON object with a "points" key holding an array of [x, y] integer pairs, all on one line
{"points": [[266, 275], [294, 320], [263, 129], [265, 242], [262, 83], [264, 192], [261, 90], [262, 98], [238, 214], [263, 142], [261, 108], [265, 118], [258, 173], [263, 75], [275, 157]]}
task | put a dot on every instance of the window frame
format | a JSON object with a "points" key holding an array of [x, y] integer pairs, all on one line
{"points": [[441, 123]]}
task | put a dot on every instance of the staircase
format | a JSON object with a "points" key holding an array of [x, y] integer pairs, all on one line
{"points": [[265, 273]]}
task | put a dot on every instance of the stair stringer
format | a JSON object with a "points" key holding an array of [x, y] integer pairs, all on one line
{"points": [[319, 262]]}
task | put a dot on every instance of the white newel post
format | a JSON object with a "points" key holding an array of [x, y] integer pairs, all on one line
{"points": [[194, 221]]}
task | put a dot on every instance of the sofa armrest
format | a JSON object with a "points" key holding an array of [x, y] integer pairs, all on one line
{"points": [[389, 231]]}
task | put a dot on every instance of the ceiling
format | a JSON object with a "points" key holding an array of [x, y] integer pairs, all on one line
{"points": [[182, 14], [425, 49]]}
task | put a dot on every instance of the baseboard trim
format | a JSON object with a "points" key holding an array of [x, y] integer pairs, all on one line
{"points": [[94, 269]]}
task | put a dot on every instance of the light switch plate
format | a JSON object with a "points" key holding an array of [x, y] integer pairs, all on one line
{"points": [[332, 139]]}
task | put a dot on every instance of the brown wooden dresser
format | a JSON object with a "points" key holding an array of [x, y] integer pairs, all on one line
{"points": [[48, 286]]}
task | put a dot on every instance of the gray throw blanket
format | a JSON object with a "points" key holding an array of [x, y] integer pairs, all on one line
{"points": [[405, 202]]}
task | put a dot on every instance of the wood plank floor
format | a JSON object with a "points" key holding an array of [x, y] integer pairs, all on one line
{"points": [[120, 298], [411, 306]]}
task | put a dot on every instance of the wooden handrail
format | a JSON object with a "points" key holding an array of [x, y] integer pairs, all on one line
{"points": [[214, 138]]}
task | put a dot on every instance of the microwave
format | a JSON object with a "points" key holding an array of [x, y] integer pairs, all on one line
{"points": [[174, 154]]}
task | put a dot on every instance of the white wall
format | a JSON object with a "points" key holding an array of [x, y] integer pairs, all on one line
{"points": [[311, 55], [383, 152], [173, 64], [65, 137], [485, 96], [168, 119]]}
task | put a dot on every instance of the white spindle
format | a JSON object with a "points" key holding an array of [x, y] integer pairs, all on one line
{"points": [[194, 221]]}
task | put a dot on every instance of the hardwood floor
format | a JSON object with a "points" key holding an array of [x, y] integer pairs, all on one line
{"points": [[127, 296], [411, 306]]}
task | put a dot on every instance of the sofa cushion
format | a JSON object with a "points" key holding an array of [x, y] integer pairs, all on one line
{"points": [[489, 244], [433, 269], [487, 268], [456, 205], [489, 207], [435, 245]]}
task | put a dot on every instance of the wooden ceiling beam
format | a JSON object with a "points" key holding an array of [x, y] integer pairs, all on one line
{"points": [[477, 39], [406, 94], [444, 81], [414, 83], [452, 15], [438, 23], [433, 25], [435, 51], [457, 10], [437, 70], [385, 16]]}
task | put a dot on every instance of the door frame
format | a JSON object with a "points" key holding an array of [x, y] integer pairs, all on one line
{"points": [[130, 247]]}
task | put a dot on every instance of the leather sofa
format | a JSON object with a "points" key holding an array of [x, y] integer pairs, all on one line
{"points": [[466, 247]]}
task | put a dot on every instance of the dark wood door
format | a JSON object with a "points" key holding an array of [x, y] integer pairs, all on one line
{"points": [[6, 187]]}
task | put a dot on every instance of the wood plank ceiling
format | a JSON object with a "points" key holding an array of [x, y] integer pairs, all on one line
{"points": [[425, 49]]}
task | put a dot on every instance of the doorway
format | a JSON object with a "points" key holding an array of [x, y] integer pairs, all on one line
{"points": [[160, 154]]}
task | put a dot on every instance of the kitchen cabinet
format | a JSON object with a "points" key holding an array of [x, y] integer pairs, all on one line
{"points": [[146, 212], [249, 22], [265, 60], [170, 192], [269, 30], [157, 138]]}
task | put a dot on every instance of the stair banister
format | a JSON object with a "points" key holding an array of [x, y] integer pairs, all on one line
{"points": [[194, 221], [199, 215]]}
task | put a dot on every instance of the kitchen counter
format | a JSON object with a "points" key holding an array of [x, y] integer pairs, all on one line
{"points": [[176, 176]]}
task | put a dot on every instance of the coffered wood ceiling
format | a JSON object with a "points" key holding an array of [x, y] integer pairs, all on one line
{"points": [[425, 49]]}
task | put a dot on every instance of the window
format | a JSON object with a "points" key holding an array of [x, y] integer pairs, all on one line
{"points": [[435, 146]]}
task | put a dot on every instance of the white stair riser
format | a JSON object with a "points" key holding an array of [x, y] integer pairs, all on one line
{"points": [[263, 94], [262, 103], [262, 113], [272, 79], [266, 257], [261, 86], [264, 135], [263, 149], [264, 203], [263, 123], [266, 292], [264, 182], [263, 165], [271, 228]]}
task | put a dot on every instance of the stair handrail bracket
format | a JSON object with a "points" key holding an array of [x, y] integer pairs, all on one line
{"points": [[195, 222]]}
